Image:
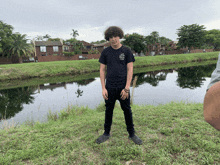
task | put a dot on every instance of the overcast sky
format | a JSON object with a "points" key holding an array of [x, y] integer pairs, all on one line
{"points": [[92, 17]]}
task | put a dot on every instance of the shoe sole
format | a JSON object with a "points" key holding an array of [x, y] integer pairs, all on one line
{"points": [[136, 143], [103, 141]]}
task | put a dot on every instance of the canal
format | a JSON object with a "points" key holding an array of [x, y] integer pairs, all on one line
{"points": [[154, 87]]}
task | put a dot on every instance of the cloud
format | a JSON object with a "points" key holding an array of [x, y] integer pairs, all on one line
{"points": [[57, 18], [213, 25]]}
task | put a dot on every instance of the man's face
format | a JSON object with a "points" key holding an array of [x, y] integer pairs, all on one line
{"points": [[114, 40]]}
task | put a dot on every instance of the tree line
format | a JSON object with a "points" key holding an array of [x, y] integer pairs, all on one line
{"points": [[77, 45], [191, 36], [13, 44]]}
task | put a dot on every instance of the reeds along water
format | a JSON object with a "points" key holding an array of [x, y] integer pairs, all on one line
{"points": [[134, 84]]}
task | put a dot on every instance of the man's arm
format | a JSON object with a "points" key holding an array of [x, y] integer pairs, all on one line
{"points": [[102, 75], [102, 78], [129, 75]]}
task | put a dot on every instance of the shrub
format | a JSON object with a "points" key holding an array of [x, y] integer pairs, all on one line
{"points": [[77, 51], [69, 53], [94, 52]]}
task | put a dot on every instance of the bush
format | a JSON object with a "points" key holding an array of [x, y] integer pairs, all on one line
{"points": [[69, 53], [94, 52], [77, 51]]}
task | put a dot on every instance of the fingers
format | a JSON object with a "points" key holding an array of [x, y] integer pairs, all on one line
{"points": [[124, 95], [105, 95]]}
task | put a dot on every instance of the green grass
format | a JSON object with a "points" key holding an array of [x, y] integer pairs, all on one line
{"points": [[7, 84], [47, 69], [174, 133]]}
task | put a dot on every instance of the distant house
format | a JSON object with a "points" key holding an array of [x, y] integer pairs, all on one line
{"points": [[87, 47], [45, 48], [102, 46], [68, 47], [162, 49]]}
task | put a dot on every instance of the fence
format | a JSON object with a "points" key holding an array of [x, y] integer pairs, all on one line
{"points": [[4, 60], [169, 52], [65, 58]]}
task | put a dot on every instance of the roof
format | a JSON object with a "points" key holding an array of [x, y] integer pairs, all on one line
{"points": [[48, 43], [103, 44], [86, 43]]}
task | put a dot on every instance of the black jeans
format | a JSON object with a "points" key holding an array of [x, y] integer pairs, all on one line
{"points": [[113, 95]]}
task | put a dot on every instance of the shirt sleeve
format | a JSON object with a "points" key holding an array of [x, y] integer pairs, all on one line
{"points": [[130, 56], [215, 77], [102, 58]]}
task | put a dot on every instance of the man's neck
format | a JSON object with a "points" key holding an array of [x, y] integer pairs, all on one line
{"points": [[116, 46]]}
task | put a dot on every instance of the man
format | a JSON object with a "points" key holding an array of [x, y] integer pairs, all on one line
{"points": [[119, 61], [211, 104]]}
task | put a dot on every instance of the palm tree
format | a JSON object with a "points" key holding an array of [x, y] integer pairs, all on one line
{"points": [[20, 46], [155, 36], [74, 34], [80, 45], [47, 36], [39, 38]]}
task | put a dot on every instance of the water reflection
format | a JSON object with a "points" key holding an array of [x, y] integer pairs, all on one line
{"points": [[193, 77], [79, 92], [12, 101], [189, 77], [52, 86], [152, 78]]}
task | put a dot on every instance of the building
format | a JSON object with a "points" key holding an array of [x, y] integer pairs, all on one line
{"points": [[102, 46], [68, 47], [45, 48], [87, 47]]}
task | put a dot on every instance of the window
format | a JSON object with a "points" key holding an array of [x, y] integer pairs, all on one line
{"points": [[42, 48], [88, 47], [66, 48], [55, 48]]}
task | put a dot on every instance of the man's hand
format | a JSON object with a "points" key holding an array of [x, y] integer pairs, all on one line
{"points": [[105, 94], [124, 95]]}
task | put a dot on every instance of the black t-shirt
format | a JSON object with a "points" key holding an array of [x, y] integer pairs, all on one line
{"points": [[116, 61]]}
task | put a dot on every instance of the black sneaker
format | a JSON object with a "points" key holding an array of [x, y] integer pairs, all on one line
{"points": [[136, 139], [102, 139]]}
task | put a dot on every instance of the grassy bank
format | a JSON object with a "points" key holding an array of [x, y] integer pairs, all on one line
{"points": [[46, 69], [174, 133], [7, 84]]}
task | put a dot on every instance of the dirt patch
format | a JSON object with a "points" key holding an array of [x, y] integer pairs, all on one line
{"points": [[133, 162], [73, 70], [184, 118], [6, 72]]}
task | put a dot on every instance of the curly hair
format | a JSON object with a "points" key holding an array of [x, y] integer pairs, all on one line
{"points": [[113, 31]]}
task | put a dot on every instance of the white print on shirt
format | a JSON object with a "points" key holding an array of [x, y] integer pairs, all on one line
{"points": [[122, 56]]}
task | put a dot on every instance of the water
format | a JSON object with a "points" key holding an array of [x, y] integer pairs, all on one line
{"points": [[155, 88]]}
